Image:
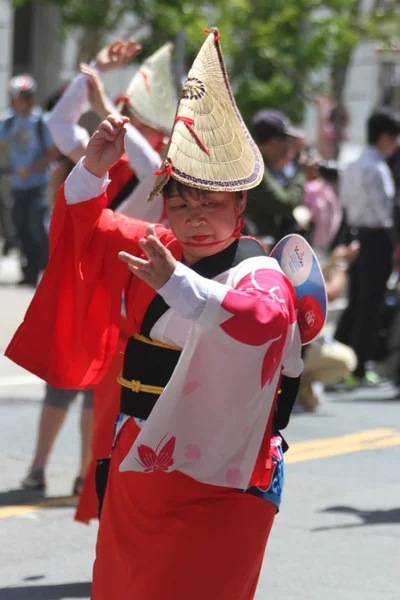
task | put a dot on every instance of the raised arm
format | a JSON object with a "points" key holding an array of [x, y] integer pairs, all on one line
{"points": [[82, 201], [69, 137], [71, 328]]}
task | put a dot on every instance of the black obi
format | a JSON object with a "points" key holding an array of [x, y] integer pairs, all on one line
{"points": [[147, 365]]}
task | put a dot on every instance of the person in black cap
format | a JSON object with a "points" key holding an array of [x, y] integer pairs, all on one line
{"points": [[271, 204]]}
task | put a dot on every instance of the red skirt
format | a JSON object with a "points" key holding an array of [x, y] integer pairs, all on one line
{"points": [[166, 535]]}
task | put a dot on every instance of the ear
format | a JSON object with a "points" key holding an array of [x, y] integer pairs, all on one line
{"points": [[241, 204]]}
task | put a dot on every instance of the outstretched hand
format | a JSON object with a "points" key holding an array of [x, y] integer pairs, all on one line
{"points": [[117, 55], [159, 267], [98, 99], [106, 146]]}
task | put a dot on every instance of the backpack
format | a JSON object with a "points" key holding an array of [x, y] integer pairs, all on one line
{"points": [[8, 122]]}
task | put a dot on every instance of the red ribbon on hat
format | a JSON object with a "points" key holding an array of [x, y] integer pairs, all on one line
{"points": [[167, 170], [122, 98], [217, 35], [189, 122], [145, 79]]}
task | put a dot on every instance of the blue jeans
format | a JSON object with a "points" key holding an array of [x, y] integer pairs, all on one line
{"points": [[29, 212]]}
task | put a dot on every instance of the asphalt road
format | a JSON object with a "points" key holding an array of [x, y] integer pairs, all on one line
{"points": [[337, 536]]}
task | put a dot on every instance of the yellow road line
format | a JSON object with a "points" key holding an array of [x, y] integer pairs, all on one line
{"points": [[14, 511], [24, 509], [370, 439], [344, 444]]}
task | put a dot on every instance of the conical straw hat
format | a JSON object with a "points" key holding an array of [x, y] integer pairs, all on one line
{"points": [[210, 147], [151, 94]]}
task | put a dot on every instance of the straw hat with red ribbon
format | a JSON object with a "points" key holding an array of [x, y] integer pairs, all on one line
{"points": [[210, 147], [151, 93]]}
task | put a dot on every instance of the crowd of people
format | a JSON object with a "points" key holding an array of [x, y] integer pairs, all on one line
{"points": [[204, 171]]}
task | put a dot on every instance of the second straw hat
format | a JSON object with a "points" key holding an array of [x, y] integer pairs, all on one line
{"points": [[151, 93]]}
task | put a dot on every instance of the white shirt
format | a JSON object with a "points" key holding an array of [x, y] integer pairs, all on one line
{"points": [[367, 191]]}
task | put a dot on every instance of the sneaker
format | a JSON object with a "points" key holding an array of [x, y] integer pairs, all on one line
{"points": [[372, 379], [34, 480], [351, 382], [78, 485]]}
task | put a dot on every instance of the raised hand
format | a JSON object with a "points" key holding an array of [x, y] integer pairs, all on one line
{"points": [[106, 145], [159, 267], [98, 98], [117, 55]]}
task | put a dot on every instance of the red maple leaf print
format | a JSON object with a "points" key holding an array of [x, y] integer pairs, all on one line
{"points": [[261, 308], [153, 461]]}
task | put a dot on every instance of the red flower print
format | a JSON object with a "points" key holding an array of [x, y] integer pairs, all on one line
{"points": [[157, 460], [262, 308]]}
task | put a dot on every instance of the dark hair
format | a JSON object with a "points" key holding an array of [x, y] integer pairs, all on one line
{"points": [[186, 190], [338, 114], [381, 122]]}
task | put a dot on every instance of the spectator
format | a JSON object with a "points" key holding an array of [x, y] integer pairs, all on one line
{"points": [[324, 205], [270, 206], [6, 228], [333, 120], [31, 151], [367, 192], [394, 164]]}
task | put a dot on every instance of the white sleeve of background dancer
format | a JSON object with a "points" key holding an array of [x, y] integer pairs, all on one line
{"points": [[63, 120], [143, 159], [137, 206]]}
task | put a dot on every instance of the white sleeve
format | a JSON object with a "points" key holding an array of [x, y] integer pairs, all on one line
{"points": [[143, 159], [292, 362], [186, 292], [63, 119], [137, 206], [81, 185]]}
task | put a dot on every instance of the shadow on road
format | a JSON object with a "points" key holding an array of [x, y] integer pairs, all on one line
{"points": [[47, 592], [385, 394], [35, 498], [367, 517]]}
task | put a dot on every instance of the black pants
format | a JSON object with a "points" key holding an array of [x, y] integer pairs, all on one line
{"points": [[30, 208], [359, 324]]}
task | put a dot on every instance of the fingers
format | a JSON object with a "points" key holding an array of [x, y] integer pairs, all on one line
{"points": [[152, 246], [122, 52], [113, 127], [139, 267], [134, 261], [117, 120], [154, 242], [94, 80], [115, 47], [88, 70], [132, 49], [159, 267]]}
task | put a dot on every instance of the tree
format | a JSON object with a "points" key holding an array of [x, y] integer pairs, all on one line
{"points": [[95, 19], [272, 47]]}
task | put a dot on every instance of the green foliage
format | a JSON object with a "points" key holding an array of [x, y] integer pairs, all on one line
{"points": [[272, 47]]}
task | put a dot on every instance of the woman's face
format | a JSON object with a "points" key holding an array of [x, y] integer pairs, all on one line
{"points": [[201, 218]]}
